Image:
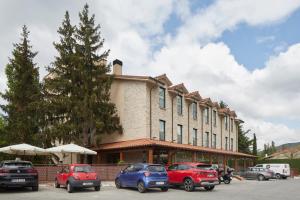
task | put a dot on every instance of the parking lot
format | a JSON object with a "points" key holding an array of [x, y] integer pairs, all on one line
{"points": [[237, 190]]}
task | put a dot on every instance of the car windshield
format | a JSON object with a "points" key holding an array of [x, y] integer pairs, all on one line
{"points": [[156, 168], [85, 168], [205, 167], [16, 164]]}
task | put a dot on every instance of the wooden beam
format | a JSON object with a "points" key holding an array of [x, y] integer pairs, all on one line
{"points": [[194, 158], [121, 156], [150, 156]]}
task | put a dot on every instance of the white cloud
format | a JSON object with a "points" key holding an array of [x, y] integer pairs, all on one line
{"points": [[132, 28]]}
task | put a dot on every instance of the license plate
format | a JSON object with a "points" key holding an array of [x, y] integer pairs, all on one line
{"points": [[210, 175], [18, 180], [87, 183], [160, 183]]}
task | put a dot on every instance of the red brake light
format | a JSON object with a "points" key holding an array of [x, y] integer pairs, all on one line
{"points": [[34, 171], [147, 174], [3, 171]]}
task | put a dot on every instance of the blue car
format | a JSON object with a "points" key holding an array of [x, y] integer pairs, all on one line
{"points": [[143, 176]]}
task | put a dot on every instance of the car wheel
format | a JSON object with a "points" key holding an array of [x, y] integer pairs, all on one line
{"points": [[35, 188], [56, 184], [141, 187], [278, 176], [209, 188], [164, 189], [69, 188], [118, 183], [188, 185], [260, 177], [97, 188]]}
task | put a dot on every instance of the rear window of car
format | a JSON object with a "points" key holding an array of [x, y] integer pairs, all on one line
{"points": [[16, 164], [156, 168], [205, 167], [85, 168]]}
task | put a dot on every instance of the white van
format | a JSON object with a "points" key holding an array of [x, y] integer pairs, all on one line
{"points": [[280, 170]]}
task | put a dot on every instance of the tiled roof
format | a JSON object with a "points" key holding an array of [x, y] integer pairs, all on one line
{"points": [[129, 144], [164, 78], [194, 95], [179, 87]]}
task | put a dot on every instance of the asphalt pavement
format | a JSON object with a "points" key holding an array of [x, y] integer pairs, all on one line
{"points": [[237, 190]]}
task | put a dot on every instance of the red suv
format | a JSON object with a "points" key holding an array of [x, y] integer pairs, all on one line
{"points": [[77, 176], [191, 175]]}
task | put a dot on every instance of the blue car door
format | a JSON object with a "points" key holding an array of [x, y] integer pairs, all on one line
{"points": [[134, 175], [126, 176]]}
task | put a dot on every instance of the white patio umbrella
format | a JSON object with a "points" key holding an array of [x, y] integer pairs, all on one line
{"points": [[23, 149], [71, 148]]}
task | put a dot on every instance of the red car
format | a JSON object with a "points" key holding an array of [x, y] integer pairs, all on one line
{"points": [[191, 175], [77, 176]]}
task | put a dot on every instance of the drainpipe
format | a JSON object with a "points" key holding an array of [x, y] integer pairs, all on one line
{"points": [[229, 128], [202, 143], [221, 132], [211, 126], [172, 119], [151, 112], [188, 123]]}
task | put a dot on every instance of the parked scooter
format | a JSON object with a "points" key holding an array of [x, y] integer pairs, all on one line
{"points": [[225, 177]]}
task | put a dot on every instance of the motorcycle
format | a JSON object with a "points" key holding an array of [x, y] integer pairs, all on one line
{"points": [[225, 177]]}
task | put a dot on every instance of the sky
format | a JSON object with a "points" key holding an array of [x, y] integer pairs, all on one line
{"points": [[244, 52]]}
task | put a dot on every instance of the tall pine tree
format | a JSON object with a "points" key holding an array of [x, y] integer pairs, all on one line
{"points": [[254, 150], [60, 88], [23, 94], [98, 115], [243, 140], [78, 85]]}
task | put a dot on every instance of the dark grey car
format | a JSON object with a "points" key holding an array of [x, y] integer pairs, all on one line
{"points": [[257, 173]]}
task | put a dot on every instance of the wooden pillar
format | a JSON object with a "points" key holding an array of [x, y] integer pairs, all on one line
{"points": [[121, 156], [194, 158], [150, 156], [236, 165], [224, 161], [210, 159], [170, 156]]}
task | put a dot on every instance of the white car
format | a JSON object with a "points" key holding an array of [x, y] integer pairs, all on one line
{"points": [[280, 170]]}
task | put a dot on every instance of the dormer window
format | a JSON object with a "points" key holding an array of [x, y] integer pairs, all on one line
{"points": [[179, 104], [194, 110], [162, 97], [206, 115]]}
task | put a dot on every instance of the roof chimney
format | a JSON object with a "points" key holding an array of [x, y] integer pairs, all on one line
{"points": [[117, 67]]}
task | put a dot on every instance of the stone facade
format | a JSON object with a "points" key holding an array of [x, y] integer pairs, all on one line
{"points": [[137, 102]]}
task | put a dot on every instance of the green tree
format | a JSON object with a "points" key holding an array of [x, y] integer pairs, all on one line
{"points": [[23, 94], [254, 150], [78, 85], [60, 88], [97, 114], [2, 131], [223, 104], [244, 142]]}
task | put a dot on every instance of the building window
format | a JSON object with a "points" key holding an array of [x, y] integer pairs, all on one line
{"points": [[215, 118], [194, 110], [206, 139], [179, 104], [226, 122], [226, 143], [231, 125], [179, 134], [231, 144], [194, 137], [206, 115], [214, 141], [162, 130], [162, 97]]}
